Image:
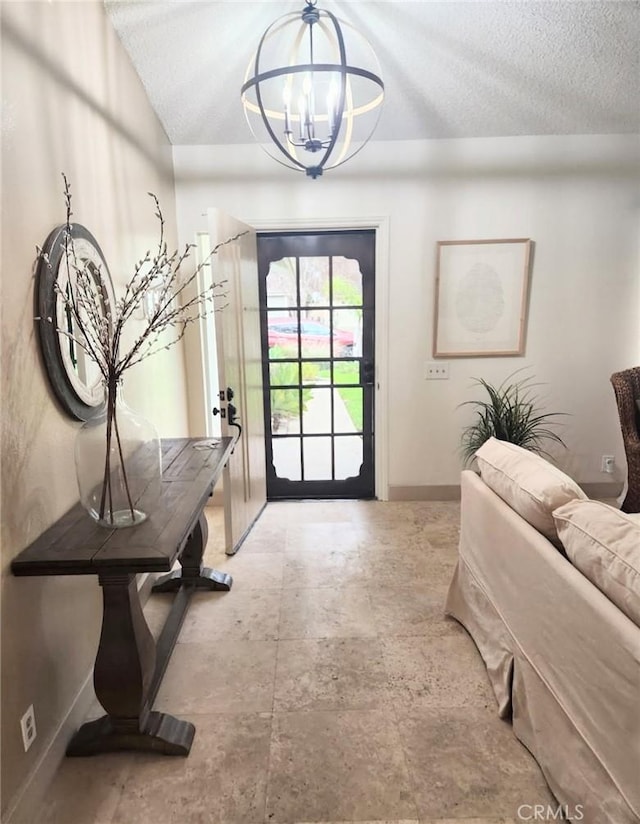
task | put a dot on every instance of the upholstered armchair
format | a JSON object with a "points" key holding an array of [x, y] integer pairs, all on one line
{"points": [[626, 386]]}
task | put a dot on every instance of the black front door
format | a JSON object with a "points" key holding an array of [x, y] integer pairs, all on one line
{"points": [[317, 317]]}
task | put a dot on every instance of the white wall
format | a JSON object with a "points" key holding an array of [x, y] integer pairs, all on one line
{"points": [[576, 197], [71, 102]]}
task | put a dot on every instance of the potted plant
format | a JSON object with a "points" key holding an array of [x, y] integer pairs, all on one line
{"points": [[511, 413]]}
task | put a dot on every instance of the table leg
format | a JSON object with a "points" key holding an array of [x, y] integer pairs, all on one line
{"points": [[123, 674], [192, 572]]}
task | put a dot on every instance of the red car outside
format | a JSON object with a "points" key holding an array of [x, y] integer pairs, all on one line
{"points": [[313, 335]]}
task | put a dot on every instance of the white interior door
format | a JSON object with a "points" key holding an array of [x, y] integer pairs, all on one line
{"points": [[239, 357]]}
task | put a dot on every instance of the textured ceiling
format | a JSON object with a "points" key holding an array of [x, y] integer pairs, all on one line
{"points": [[451, 69]]}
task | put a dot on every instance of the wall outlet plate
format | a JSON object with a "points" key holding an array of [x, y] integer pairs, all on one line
{"points": [[28, 727], [437, 370], [608, 463]]}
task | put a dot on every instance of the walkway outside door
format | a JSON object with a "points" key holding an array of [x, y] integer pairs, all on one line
{"points": [[317, 319]]}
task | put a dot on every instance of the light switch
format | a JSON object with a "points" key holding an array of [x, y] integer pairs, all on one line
{"points": [[437, 371]]}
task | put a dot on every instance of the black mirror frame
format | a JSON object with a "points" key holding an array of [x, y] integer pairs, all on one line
{"points": [[46, 306]]}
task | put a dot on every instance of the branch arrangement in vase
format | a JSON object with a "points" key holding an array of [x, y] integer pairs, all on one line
{"points": [[100, 335], [97, 328]]}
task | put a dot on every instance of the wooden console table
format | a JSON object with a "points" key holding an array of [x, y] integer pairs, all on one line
{"points": [[129, 665]]}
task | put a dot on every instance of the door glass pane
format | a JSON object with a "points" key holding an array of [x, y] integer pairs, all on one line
{"points": [[316, 415], [282, 334], [284, 373], [346, 372], [347, 409], [285, 411], [315, 333], [281, 284], [317, 459], [286, 458], [347, 332], [348, 457], [347, 282], [315, 372], [314, 281]]}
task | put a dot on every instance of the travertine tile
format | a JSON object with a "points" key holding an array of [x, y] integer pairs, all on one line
{"points": [[442, 536], [253, 570], [329, 567], [441, 671], [440, 574], [388, 535], [301, 512], [408, 566], [318, 537], [156, 610], [471, 821], [378, 821], [264, 539], [465, 763], [401, 536], [330, 674], [219, 676], [85, 790], [413, 514], [333, 766], [242, 614], [222, 780], [383, 711], [344, 612], [408, 611]]}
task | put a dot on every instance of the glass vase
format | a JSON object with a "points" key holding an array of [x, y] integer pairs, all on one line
{"points": [[118, 464]]}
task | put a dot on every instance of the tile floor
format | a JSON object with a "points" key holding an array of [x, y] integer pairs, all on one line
{"points": [[326, 686]]}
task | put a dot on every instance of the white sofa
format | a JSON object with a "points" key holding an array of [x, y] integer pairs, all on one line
{"points": [[562, 658]]}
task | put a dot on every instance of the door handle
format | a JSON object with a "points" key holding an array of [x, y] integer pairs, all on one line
{"points": [[367, 373], [232, 418]]}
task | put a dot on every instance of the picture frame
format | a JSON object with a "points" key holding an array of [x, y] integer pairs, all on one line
{"points": [[481, 298]]}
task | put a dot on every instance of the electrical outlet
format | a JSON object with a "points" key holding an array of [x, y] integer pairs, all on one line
{"points": [[608, 463], [28, 727], [437, 371]]}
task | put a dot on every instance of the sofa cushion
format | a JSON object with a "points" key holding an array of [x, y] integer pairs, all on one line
{"points": [[604, 544], [528, 483]]}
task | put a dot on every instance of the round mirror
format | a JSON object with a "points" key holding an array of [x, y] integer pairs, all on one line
{"points": [[74, 377]]}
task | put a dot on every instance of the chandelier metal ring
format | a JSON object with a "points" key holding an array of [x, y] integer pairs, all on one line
{"points": [[322, 133]]}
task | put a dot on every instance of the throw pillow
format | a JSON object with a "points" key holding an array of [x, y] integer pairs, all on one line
{"points": [[527, 482], [604, 544]]}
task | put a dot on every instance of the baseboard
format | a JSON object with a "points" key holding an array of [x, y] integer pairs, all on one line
{"points": [[23, 808], [425, 493], [601, 490]]}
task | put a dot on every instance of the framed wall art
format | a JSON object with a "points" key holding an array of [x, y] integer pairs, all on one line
{"points": [[481, 298]]}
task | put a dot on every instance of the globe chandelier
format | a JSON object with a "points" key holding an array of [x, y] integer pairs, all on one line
{"points": [[312, 93]]}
